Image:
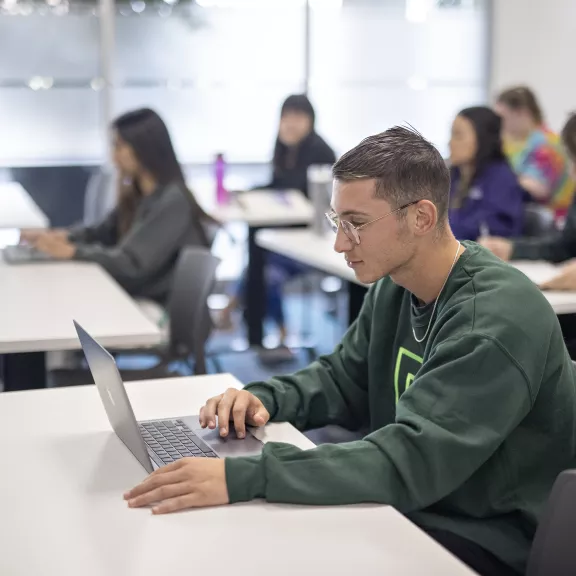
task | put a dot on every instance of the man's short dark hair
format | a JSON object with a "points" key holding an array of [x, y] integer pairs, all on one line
{"points": [[405, 166]]}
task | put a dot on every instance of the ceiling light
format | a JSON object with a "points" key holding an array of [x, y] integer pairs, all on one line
{"points": [[417, 10], [417, 83], [36, 83], [25, 9], [138, 6], [97, 84]]}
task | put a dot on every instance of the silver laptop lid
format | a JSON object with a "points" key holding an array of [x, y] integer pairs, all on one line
{"points": [[113, 394]]}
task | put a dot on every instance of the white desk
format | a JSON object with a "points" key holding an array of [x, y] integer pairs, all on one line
{"points": [[265, 208], [309, 248], [63, 512], [39, 301], [318, 252], [18, 210], [260, 209]]}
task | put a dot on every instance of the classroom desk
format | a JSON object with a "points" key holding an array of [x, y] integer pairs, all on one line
{"points": [[18, 210], [63, 512], [262, 209], [38, 303], [318, 252]]}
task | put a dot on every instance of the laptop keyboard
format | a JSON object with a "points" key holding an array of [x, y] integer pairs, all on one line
{"points": [[170, 440], [23, 253]]}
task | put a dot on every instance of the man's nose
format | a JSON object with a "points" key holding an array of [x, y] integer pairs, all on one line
{"points": [[342, 242]]}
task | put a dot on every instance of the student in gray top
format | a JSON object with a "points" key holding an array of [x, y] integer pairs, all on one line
{"points": [[138, 243]]}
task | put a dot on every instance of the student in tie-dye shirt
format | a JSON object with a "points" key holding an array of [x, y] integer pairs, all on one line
{"points": [[535, 153]]}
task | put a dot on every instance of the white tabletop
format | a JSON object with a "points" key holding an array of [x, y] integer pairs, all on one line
{"points": [[63, 512], [309, 248], [318, 251], [261, 208], [39, 301], [18, 210]]}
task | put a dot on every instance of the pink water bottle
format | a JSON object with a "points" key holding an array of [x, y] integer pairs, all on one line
{"points": [[219, 173]]}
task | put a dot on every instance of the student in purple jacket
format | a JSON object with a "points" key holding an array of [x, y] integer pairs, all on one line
{"points": [[485, 196]]}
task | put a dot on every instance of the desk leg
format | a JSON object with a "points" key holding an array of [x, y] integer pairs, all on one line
{"points": [[255, 290], [356, 295], [25, 371]]}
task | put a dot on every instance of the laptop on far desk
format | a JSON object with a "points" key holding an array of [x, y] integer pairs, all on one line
{"points": [[156, 443], [24, 254]]}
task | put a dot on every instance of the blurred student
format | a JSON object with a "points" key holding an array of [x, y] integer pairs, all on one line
{"points": [[485, 195], [558, 248], [534, 151], [298, 146], [139, 242]]}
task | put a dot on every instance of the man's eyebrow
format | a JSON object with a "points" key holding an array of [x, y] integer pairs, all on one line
{"points": [[351, 212]]}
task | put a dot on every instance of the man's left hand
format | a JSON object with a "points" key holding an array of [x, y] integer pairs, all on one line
{"points": [[186, 483], [55, 246]]}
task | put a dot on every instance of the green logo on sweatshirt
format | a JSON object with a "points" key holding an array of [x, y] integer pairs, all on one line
{"points": [[407, 364]]}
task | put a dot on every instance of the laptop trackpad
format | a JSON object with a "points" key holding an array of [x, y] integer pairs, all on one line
{"points": [[232, 445]]}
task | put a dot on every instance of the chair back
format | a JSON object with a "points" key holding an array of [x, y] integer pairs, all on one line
{"points": [[553, 552], [190, 322], [538, 221]]}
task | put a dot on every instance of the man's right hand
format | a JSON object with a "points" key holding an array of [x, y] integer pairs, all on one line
{"points": [[498, 246], [238, 406]]}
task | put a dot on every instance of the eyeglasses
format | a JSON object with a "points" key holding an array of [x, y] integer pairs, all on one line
{"points": [[353, 232]]}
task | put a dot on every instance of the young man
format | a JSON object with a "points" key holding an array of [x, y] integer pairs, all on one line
{"points": [[456, 364]]}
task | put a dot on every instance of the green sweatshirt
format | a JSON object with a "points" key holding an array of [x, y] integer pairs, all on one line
{"points": [[468, 430]]}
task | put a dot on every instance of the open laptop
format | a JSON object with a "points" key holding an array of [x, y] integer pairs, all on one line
{"points": [[24, 253], [156, 443]]}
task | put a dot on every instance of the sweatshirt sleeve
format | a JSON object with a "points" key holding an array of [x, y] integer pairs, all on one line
{"points": [[332, 390], [105, 233], [556, 248], [432, 447], [146, 248]]}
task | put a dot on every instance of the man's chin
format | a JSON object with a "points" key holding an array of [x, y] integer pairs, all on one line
{"points": [[366, 276]]}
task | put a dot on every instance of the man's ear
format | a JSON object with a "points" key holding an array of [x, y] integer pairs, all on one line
{"points": [[425, 217]]}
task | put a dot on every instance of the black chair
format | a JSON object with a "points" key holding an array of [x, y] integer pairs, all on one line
{"points": [[190, 325], [553, 552], [189, 316], [538, 221], [189, 321]]}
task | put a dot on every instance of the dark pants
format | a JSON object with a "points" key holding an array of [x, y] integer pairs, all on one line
{"points": [[480, 560], [279, 269]]}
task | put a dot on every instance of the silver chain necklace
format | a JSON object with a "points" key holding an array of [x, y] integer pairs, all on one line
{"points": [[437, 298]]}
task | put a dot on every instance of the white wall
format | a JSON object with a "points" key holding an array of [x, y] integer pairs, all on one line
{"points": [[533, 44], [374, 65]]}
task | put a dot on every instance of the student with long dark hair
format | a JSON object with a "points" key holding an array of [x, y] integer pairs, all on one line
{"points": [[485, 196], [156, 215], [298, 146]]}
